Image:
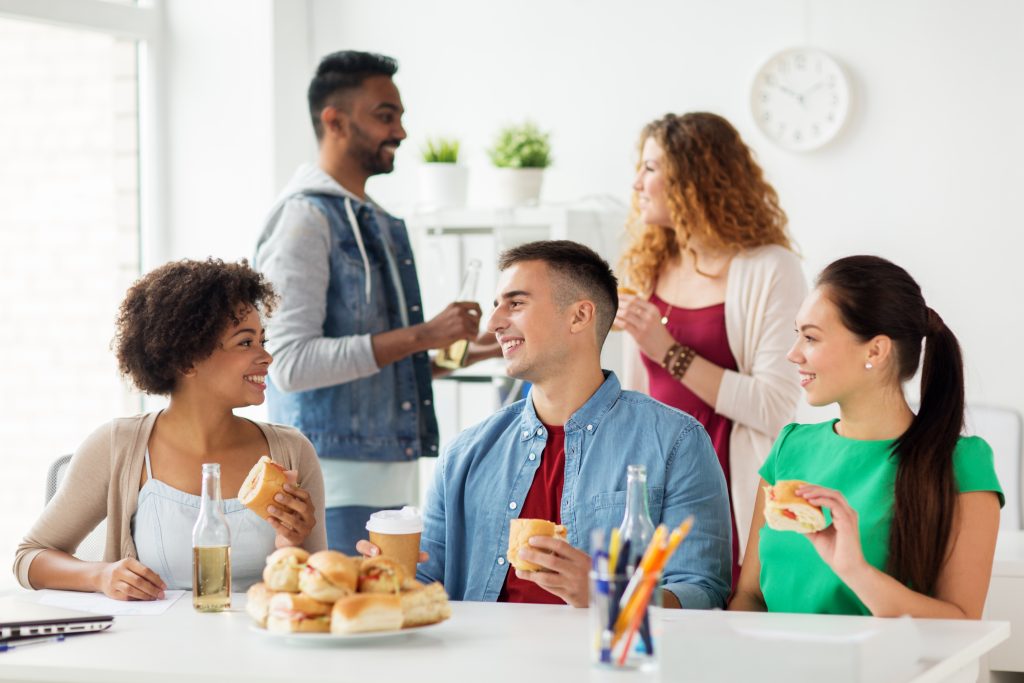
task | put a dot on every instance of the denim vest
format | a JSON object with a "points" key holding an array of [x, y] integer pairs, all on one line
{"points": [[388, 416], [483, 478]]}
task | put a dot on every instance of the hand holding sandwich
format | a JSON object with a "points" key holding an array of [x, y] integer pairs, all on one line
{"points": [[838, 544], [566, 569], [291, 513]]}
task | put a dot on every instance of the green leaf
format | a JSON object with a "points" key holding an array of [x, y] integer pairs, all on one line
{"points": [[523, 146]]}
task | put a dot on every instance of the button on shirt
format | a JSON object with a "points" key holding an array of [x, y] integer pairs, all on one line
{"points": [[544, 501], [466, 517]]}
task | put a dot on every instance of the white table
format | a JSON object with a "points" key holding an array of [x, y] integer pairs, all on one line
{"points": [[482, 641], [1006, 600]]}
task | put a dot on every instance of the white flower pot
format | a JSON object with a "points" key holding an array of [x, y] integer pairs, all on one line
{"points": [[443, 186], [517, 186]]}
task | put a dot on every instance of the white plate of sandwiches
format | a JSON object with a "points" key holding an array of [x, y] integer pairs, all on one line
{"points": [[328, 597]]}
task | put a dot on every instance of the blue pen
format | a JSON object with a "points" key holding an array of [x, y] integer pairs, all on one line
{"points": [[4, 647]]}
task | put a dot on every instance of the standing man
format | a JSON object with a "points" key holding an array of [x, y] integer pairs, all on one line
{"points": [[352, 370]]}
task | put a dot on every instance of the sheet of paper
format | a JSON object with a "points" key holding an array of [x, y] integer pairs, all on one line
{"points": [[97, 603]]}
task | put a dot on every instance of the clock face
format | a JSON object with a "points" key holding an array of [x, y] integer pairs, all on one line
{"points": [[800, 98]]}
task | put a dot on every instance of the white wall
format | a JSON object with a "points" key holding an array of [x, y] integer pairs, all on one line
{"points": [[925, 172]]}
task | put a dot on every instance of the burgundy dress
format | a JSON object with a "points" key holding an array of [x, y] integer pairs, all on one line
{"points": [[703, 330]]}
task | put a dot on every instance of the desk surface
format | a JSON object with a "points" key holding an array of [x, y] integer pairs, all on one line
{"points": [[482, 641]]}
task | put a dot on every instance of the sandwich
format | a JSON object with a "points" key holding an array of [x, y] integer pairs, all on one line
{"points": [[786, 511], [366, 612], [265, 480], [298, 613], [520, 531], [257, 602], [425, 605], [381, 575], [283, 568], [329, 576]]}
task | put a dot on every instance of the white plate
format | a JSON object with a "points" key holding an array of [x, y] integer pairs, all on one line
{"points": [[340, 638]]}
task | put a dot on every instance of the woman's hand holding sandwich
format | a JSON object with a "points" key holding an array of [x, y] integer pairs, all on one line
{"points": [[566, 569], [291, 513], [839, 543]]}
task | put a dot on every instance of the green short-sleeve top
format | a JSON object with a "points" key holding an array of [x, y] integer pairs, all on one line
{"points": [[794, 578]]}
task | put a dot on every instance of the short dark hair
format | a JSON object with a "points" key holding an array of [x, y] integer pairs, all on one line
{"points": [[173, 317], [579, 273], [342, 71]]}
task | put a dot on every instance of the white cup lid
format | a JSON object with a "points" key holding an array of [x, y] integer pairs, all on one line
{"points": [[404, 521]]}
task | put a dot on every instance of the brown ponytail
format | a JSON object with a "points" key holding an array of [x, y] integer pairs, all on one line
{"points": [[874, 297]]}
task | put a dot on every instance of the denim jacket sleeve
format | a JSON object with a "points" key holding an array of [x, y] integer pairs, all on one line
{"points": [[698, 574], [434, 526], [295, 258]]}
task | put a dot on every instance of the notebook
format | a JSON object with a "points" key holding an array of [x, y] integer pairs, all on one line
{"points": [[21, 619]]}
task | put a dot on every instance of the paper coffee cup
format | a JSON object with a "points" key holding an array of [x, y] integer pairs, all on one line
{"points": [[397, 534]]}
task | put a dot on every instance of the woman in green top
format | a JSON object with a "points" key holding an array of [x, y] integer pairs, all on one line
{"points": [[913, 506]]}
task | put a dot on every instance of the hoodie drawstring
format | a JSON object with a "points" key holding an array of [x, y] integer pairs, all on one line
{"points": [[359, 242]]}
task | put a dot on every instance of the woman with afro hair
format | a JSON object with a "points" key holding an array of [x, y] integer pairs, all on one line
{"points": [[191, 331]]}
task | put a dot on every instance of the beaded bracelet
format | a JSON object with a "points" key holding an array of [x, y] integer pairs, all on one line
{"points": [[677, 360]]}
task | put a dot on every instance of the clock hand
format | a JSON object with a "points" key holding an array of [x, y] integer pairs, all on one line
{"points": [[797, 96], [813, 88]]}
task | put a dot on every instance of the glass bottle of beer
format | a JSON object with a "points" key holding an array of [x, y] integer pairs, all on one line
{"points": [[211, 548], [454, 356]]}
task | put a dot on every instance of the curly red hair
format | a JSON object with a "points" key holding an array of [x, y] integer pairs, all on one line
{"points": [[717, 196]]}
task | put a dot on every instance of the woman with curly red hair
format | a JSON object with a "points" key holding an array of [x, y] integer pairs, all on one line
{"points": [[192, 331], [717, 286]]}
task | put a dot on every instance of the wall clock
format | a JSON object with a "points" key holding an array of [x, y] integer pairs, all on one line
{"points": [[800, 98]]}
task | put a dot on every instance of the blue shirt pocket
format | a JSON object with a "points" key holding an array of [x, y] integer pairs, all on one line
{"points": [[609, 508]]}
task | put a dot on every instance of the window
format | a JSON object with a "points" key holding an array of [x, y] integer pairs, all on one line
{"points": [[69, 247]]}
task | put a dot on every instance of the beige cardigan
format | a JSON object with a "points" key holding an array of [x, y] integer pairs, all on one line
{"points": [[102, 481], [763, 292]]}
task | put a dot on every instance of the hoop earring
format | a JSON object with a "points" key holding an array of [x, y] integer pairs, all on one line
{"points": [[868, 366]]}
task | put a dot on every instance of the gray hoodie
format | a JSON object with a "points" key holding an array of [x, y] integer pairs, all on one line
{"points": [[293, 252]]}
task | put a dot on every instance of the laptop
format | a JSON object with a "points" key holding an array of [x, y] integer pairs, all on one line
{"points": [[22, 619]]}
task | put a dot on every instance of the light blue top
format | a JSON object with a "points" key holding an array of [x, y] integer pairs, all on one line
{"points": [[162, 531], [482, 480]]}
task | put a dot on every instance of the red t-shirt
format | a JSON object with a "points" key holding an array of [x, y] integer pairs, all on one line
{"points": [[543, 501]]}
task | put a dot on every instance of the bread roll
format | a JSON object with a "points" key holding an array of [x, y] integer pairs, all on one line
{"points": [[520, 531], [381, 575], [257, 602], [786, 511], [426, 605], [366, 612], [298, 613], [283, 568], [329, 576], [265, 480]]}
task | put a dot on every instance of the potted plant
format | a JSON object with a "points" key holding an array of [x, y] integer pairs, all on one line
{"points": [[443, 182], [520, 154]]}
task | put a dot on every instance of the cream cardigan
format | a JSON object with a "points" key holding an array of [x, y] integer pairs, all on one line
{"points": [[764, 289], [102, 481]]}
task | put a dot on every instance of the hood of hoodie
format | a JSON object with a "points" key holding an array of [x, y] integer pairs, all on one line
{"points": [[308, 178]]}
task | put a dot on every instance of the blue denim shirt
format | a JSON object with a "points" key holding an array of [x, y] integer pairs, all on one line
{"points": [[482, 480], [389, 415]]}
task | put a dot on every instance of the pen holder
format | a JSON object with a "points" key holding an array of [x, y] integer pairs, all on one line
{"points": [[615, 642]]}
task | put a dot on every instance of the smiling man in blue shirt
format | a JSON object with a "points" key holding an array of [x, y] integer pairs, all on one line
{"points": [[564, 449]]}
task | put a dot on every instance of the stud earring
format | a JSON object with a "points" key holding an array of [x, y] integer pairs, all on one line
{"points": [[868, 366]]}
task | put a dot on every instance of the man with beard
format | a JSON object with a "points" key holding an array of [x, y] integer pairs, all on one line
{"points": [[349, 339]]}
